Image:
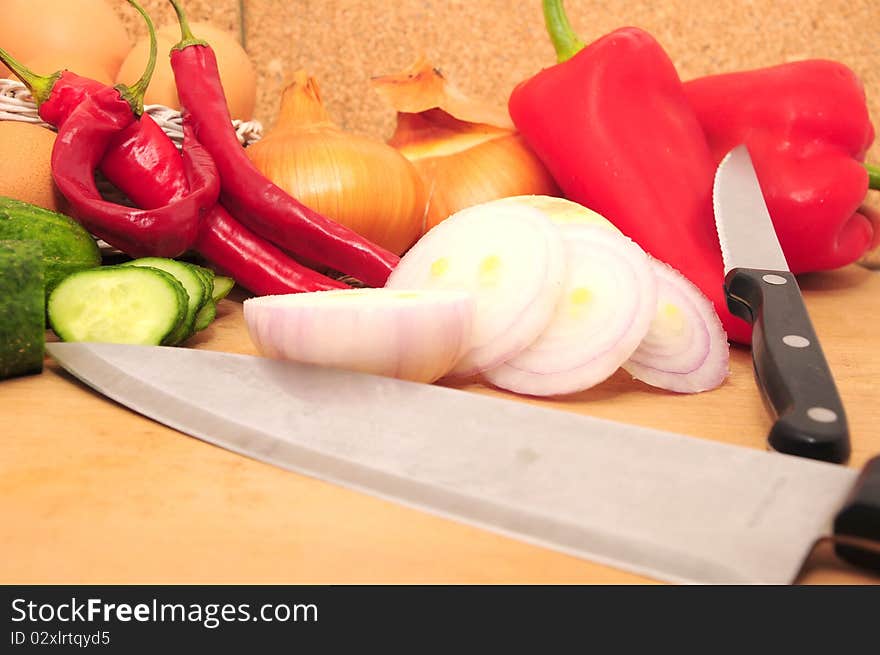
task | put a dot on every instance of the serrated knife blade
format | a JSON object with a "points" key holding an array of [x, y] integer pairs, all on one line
{"points": [[745, 229], [790, 366], [672, 507]]}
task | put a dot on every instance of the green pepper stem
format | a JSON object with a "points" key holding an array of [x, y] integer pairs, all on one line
{"points": [[39, 85], [186, 35], [134, 95], [873, 176], [565, 41]]}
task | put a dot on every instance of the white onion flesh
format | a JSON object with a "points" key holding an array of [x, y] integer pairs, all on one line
{"points": [[686, 347], [606, 307], [510, 257], [412, 335]]}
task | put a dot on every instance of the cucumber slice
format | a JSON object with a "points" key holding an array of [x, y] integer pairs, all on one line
{"points": [[22, 308], [222, 286], [117, 304], [206, 314], [206, 273], [196, 288]]}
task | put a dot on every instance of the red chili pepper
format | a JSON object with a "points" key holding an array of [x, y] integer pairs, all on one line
{"points": [[141, 151], [167, 231], [612, 124], [247, 193], [807, 128], [144, 164], [222, 239]]}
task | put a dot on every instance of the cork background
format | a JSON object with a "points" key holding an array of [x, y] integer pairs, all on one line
{"points": [[486, 46]]}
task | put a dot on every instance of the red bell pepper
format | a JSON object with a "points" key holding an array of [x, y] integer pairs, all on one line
{"points": [[807, 128], [613, 126]]}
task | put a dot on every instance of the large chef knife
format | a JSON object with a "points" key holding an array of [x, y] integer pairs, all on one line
{"points": [[668, 506], [789, 364]]}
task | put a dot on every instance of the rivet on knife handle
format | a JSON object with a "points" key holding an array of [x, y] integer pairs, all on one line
{"points": [[790, 365]]}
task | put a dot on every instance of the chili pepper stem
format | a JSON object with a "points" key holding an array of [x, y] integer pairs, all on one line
{"points": [[40, 85], [134, 95], [565, 41], [873, 176], [186, 35]]}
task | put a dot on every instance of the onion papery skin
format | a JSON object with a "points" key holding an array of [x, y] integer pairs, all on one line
{"points": [[467, 152], [417, 336], [494, 169]]}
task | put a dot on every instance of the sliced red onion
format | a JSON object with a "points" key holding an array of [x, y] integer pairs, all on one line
{"points": [[686, 347], [412, 335], [605, 310], [510, 257]]}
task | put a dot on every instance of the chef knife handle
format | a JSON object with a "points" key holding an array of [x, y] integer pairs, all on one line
{"points": [[860, 518], [789, 365]]}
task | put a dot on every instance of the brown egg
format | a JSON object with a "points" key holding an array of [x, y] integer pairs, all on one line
{"points": [[51, 35], [236, 71], [25, 167]]}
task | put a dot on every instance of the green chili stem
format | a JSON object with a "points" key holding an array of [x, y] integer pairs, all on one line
{"points": [[39, 85], [186, 35], [565, 41], [134, 95], [873, 176]]}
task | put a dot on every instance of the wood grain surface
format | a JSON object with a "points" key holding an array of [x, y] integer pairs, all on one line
{"points": [[91, 492]]}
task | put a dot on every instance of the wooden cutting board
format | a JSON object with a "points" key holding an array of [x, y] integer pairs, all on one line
{"points": [[91, 492]]}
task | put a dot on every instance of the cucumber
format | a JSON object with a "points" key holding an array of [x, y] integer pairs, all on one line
{"points": [[118, 304], [222, 286], [193, 282], [206, 314], [206, 273], [22, 308], [67, 246]]}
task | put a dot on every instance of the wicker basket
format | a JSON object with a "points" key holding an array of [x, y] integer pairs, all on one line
{"points": [[17, 104]]}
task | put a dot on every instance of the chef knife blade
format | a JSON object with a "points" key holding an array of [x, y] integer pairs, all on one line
{"points": [[668, 506], [789, 363]]}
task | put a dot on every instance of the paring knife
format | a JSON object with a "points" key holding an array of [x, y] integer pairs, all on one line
{"points": [[789, 364], [672, 507]]}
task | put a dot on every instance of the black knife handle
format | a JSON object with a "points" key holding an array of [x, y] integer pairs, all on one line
{"points": [[860, 518], [789, 365]]}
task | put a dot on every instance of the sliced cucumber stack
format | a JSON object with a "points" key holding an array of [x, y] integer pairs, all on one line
{"points": [[151, 300], [197, 289], [118, 304], [222, 286]]}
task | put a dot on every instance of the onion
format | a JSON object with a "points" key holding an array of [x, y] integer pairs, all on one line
{"points": [[412, 335], [686, 347], [609, 299], [466, 152], [510, 256], [356, 180], [563, 211]]}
